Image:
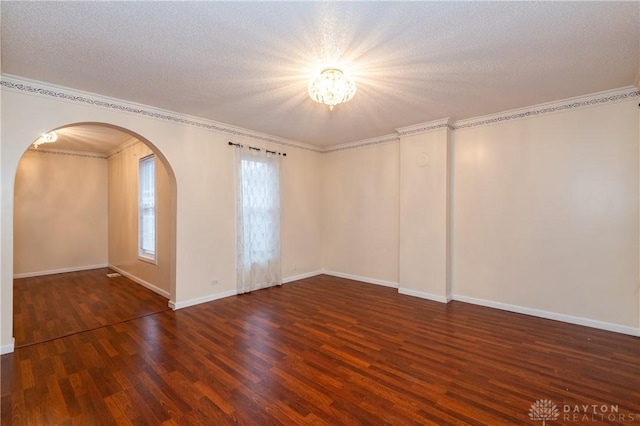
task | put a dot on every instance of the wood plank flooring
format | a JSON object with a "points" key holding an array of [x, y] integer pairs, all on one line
{"points": [[325, 351], [53, 306]]}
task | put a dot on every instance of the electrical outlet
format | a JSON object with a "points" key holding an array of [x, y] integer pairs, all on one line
{"points": [[214, 282]]}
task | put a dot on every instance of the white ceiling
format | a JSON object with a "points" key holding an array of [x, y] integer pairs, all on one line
{"points": [[92, 138], [248, 63]]}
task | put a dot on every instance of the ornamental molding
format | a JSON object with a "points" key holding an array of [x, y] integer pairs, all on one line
{"points": [[595, 99], [600, 98], [381, 140], [72, 95], [65, 152], [427, 127], [131, 143]]}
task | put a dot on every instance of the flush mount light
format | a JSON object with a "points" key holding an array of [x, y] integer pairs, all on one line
{"points": [[46, 138], [332, 87]]}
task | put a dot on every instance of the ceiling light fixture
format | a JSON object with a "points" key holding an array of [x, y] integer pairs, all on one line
{"points": [[332, 87], [46, 138]]}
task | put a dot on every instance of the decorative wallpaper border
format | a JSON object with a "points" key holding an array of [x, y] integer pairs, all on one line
{"points": [[131, 143], [362, 144], [425, 127], [532, 111], [536, 110], [166, 116], [67, 153]]}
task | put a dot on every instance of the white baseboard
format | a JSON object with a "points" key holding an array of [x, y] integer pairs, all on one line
{"points": [[551, 315], [617, 328], [204, 299], [142, 282], [423, 295], [59, 271], [363, 279], [7, 349], [301, 276]]}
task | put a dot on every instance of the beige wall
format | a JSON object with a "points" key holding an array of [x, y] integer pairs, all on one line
{"points": [[544, 210], [360, 200], [543, 215], [424, 215], [60, 213], [301, 214], [123, 219], [202, 164], [546, 213]]}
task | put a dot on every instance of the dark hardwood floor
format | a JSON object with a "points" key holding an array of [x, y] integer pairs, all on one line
{"points": [[328, 351], [53, 306]]}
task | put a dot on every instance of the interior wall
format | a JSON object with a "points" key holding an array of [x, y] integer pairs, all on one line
{"points": [[360, 202], [546, 213], [60, 213], [545, 209], [123, 218], [301, 213], [202, 164], [6, 298], [425, 266]]}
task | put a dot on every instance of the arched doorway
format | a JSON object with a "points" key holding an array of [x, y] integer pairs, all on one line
{"points": [[75, 208]]}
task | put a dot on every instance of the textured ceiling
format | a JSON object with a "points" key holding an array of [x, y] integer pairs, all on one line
{"points": [[248, 63]]}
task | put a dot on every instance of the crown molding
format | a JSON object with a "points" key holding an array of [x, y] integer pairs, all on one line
{"points": [[47, 90], [579, 102], [430, 126], [130, 143], [37, 88], [67, 152], [380, 140]]}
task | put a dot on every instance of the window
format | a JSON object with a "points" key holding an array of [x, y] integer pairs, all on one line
{"points": [[147, 208], [260, 199], [258, 221]]}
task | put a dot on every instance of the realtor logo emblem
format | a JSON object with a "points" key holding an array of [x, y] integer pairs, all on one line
{"points": [[544, 409]]}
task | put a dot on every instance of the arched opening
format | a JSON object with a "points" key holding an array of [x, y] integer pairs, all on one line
{"points": [[75, 215]]}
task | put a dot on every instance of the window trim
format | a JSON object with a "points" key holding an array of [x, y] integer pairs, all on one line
{"points": [[143, 256]]}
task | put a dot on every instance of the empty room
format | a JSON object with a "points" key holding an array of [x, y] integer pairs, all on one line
{"points": [[338, 213]]}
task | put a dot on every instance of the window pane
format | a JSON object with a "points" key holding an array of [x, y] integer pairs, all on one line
{"points": [[260, 201], [147, 208]]}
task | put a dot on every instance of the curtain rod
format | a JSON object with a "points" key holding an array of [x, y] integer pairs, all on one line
{"points": [[284, 154]]}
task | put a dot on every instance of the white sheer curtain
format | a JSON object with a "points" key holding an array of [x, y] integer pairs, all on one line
{"points": [[258, 220]]}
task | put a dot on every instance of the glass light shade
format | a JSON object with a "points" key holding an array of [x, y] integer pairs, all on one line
{"points": [[46, 138], [332, 87]]}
